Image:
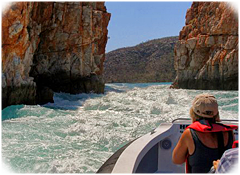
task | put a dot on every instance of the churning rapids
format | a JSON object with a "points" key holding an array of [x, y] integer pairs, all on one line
{"points": [[78, 133]]}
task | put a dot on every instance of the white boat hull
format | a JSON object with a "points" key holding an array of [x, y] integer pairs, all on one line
{"points": [[151, 153]]}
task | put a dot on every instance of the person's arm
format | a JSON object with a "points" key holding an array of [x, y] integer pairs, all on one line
{"points": [[181, 150]]}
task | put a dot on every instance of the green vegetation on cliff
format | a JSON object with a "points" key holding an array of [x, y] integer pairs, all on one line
{"points": [[151, 61]]}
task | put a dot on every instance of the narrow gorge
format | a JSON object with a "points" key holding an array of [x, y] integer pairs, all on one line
{"points": [[60, 47], [52, 47], [206, 55]]}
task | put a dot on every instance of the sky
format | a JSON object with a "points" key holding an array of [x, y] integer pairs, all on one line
{"points": [[134, 22]]}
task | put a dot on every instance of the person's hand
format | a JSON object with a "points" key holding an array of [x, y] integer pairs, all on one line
{"points": [[215, 163]]}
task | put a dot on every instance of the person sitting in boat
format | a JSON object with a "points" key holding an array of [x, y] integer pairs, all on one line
{"points": [[228, 162], [205, 139]]}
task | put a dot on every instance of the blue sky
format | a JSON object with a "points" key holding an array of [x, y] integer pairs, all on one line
{"points": [[135, 22]]}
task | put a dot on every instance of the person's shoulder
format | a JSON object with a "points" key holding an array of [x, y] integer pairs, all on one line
{"points": [[187, 131], [231, 152], [228, 161], [186, 134]]}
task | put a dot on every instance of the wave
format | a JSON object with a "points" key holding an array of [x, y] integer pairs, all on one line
{"points": [[78, 133]]}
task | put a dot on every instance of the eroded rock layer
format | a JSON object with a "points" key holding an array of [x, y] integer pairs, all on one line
{"points": [[52, 46], [206, 55]]}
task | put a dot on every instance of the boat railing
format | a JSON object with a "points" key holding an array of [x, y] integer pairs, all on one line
{"points": [[187, 119]]}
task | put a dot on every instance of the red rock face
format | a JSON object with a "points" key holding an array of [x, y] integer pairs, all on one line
{"points": [[52, 46], [206, 56]]}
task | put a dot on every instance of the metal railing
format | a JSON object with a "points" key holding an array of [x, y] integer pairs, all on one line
{"points": [[222, 120]]}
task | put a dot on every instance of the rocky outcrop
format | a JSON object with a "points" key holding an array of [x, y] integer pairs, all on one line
{"points": [[206, 55], [52, 46], [151, 61]]}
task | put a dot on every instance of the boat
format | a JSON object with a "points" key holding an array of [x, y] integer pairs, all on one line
{"points": [[152, 153]]}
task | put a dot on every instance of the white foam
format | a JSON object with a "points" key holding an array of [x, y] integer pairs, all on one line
{"points": [[77, 133]]}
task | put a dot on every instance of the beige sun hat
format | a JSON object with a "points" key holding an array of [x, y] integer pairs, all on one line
{"points": [[205, 105]]}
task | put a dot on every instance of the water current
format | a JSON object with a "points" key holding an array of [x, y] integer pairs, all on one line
{"points": [[78, 133]]}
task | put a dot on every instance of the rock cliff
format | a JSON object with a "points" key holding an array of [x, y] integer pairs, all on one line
{"points": [[206, 55], [52, 46], [151, 61]]}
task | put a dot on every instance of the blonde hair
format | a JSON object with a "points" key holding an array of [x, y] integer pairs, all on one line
{"points": [[196, 117]]}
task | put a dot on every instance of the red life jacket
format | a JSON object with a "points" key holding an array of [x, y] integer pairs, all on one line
{"points": [[235, 144], [205, 126]]}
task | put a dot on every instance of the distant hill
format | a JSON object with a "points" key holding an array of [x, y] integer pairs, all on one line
{"points": [[151, 61]]}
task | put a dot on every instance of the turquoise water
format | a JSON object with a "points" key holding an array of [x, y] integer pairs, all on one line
{"points": [[78, 133]]}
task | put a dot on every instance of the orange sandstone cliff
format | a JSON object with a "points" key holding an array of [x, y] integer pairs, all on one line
{"points": [[52, 46], [206, 56]]}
